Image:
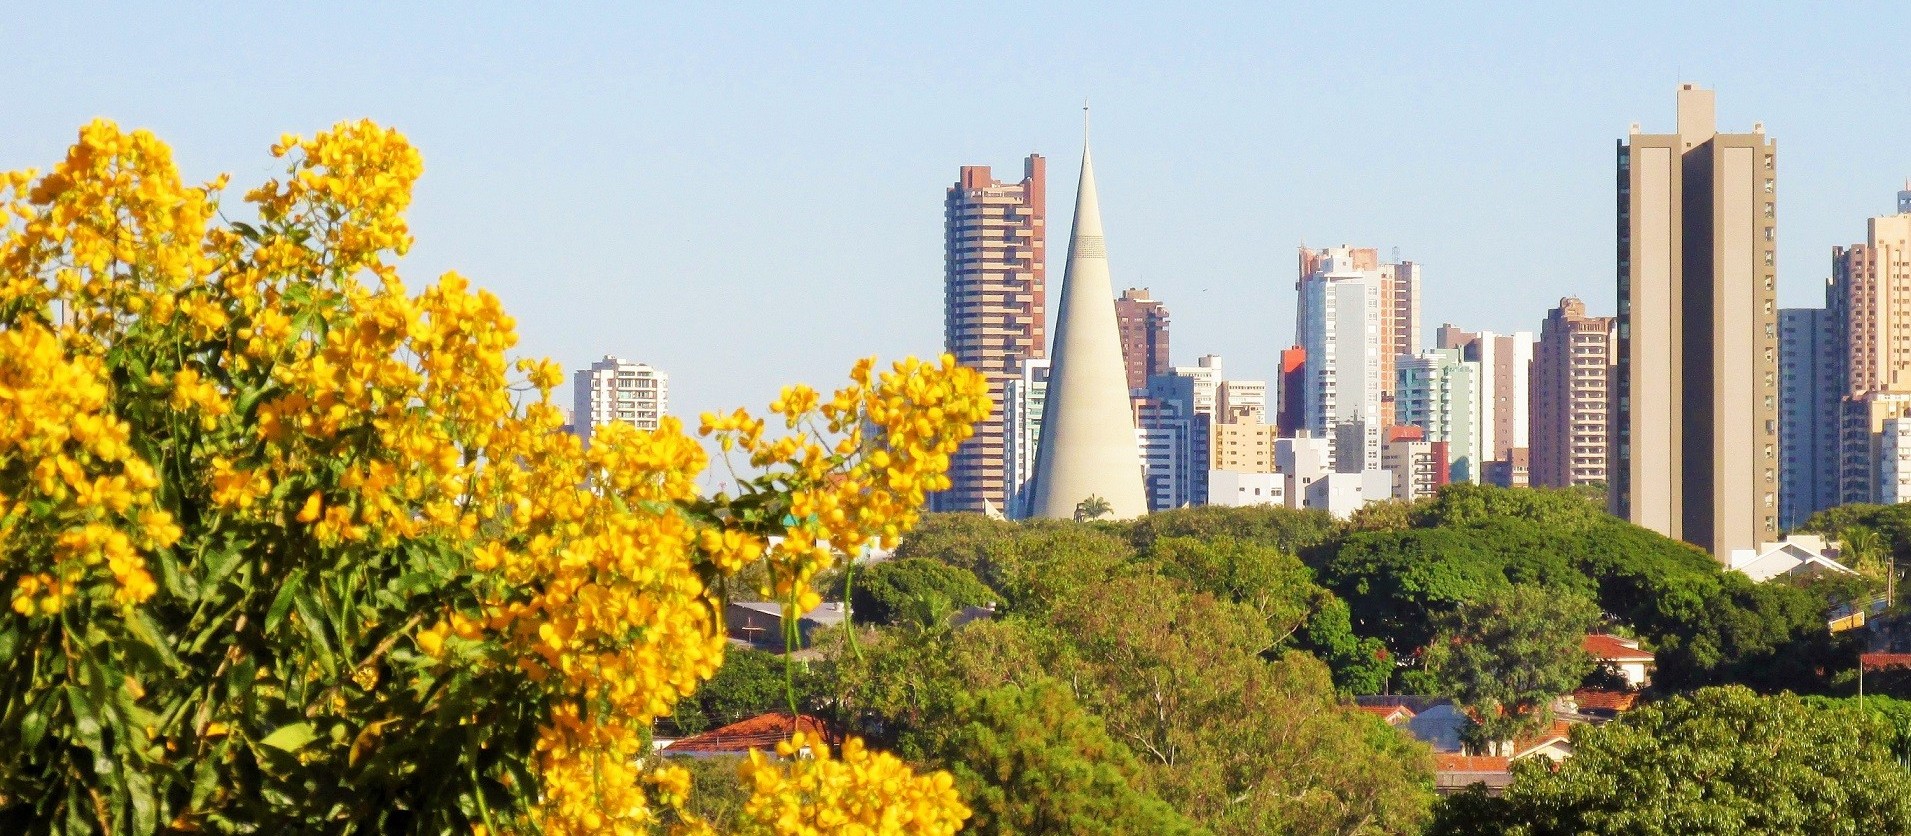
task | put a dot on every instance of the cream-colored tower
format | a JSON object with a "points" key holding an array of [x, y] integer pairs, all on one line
{"points": [[1088, 445], [1695, 407]]}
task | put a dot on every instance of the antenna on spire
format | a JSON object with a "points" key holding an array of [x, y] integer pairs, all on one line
{"points": [[1084, 120]]}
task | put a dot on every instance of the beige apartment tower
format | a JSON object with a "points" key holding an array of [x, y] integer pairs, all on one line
{"points": [[1695, 447], [1571, 417], [994, 312]]}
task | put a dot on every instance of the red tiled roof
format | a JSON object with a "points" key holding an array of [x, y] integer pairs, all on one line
{"points": [[1883, 661], [1470, 763], [763, 731], [1561, 730], [1613, 649], [1388, 712], [1609, 700], [1405, 432]]}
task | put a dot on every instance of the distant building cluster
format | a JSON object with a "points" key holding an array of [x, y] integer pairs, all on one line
{"points": [[1700, 409]]}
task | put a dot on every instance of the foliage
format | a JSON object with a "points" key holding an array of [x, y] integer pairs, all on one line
{"points": [[291, 552], [1092, 508], [1505, 656], [749, 683], [1722, 761], [1030, 760], [916, 589], [1289, 530]]}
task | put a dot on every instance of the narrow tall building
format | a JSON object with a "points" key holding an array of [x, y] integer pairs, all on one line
{"points": [[1291, 415], [1572, 377], [994, 309], [1021, 412], [1346, 355], [1144, 336], [614, 390], [1696, 400], [1088, 446], [1808, 403]]}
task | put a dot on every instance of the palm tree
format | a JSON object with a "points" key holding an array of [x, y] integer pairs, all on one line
{"points": [[1094, 507]]}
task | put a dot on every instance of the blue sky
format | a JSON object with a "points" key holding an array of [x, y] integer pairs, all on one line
{"points": [[753, 196]]}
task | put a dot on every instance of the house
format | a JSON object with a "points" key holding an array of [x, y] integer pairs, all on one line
{"points": [[1453, 772], [1435, 721], [763, 732], [760, 623], [1555, 742], [1622, 655], [1594, 702], [1798, 556], [1392, 715]]}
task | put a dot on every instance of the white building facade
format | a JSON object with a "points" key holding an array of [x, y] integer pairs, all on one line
{"points": [[1340, 329], [614, 390], [1022, 399]]}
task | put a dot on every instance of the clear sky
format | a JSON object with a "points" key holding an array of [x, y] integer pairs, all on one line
{"points": [[754, 196]]}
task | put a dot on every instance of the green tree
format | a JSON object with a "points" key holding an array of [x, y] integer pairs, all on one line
{"points": [[1722, 761], [917, 589], [1030, 760], [749, 683], [1092, 508], [1508, 654], [1292, 531]]}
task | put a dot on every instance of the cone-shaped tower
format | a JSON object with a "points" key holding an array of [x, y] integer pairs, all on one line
{"points": [[1088, 445]]}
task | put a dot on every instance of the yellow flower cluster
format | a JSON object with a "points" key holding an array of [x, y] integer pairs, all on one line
{"points": [[67, 452], [808, 793], [860, 465], [359, 418]]}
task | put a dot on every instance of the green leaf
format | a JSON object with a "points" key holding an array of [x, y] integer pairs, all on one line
{"points": [[290, 738], [282, 602]]}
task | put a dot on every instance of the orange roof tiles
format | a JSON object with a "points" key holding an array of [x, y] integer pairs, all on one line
{"points": [[1612, 648], [763, 731], [1883, 661], [1593, 698]]}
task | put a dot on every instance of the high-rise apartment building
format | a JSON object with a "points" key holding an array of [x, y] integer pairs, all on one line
{"points": [[1808, 420], [1439, 391], [1418, 465], [994, 309], [615, 390], [1696, 412], [1506, 362], [1397, 291], [1173, 439], [1144, 335], [1870, 307], [1022, 400], [1291, 415], [1241, 400], [1245, 447], [1341, 331], [1571, 381]]}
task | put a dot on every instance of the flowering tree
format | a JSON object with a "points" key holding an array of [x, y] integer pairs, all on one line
{"points": [[290, 548]]}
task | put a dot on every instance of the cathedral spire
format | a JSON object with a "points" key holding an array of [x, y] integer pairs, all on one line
{"points": [[1088, 446]]}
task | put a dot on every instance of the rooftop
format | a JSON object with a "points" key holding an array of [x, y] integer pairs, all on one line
{"points": [[763, 731]]}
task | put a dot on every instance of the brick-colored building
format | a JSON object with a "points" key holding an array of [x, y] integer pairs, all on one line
{"points": [[1144, 336], [994, 308], [1571, 420]]}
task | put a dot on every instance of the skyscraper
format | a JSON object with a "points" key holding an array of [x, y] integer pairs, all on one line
{"points": [[1241, 401], [1340, 330], [1505, 377], [1696, 413], [1291, 416], [1144, 336], [1808, 402], [994, 314], [615, 390], [1438, 391], [1088, 446], [1398, 302], [1870, 307], [1571, 418], [1021, 412]]}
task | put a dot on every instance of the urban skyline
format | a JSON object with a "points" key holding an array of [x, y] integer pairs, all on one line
{"points": [[646, 136]]}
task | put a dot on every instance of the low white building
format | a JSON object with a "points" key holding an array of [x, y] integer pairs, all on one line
{"points": [[1341, 494], [1235, 489], [1797, 556], [1623, 655]]}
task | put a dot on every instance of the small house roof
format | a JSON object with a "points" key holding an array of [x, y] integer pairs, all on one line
{"points": [[763, 731], [1610, 648]]}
